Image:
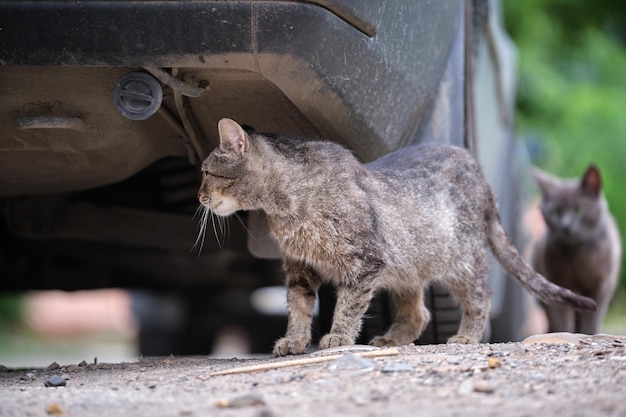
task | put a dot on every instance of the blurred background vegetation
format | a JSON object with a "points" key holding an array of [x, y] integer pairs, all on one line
{"points": [[571, 102], [10, 315]]}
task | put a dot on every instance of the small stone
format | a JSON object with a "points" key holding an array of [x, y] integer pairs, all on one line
{"points": [[345, 349], [484, 387], [71, 368], [493, 363], [515, 349], [277, 376], [559, 338], [477, 369], [247, 400], [397, 367], [359, 400], [54, 409], [466, 387], [28, 377], [454, 360], [53, 366], [3, 368], [55, 381], [378, 395], [351, 362], [83, 363]]}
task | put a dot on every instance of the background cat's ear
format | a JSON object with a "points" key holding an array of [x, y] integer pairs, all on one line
{"points": [[232, 137], [591, 182], [546, 182]]}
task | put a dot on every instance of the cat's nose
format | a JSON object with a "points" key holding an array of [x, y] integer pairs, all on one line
{"points": [[567, 224]]}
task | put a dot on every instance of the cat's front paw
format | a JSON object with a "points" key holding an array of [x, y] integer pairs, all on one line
{"points": [[462, 340], [333, 340], [286, 346], [381, 341]]}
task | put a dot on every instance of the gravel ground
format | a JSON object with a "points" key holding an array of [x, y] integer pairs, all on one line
{"points": [[562, 374]]}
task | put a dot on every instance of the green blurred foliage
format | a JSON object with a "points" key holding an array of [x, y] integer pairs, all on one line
{"points": [[10, 308], [571, 105], [10, 314]]}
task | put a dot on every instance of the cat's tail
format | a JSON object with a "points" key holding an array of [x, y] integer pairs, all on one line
{"points": [[511, 260]]}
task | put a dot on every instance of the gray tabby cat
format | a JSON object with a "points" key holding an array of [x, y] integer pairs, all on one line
{"points": [[421, 214], [581, 249]]}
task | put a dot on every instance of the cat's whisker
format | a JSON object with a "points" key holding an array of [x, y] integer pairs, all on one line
{"points": [[238, 217], [219, 235], [220, 223], [202, 228], [213, 220], [226, 235], [200, 209], [205, 219], [221, 228], [226, 231]]}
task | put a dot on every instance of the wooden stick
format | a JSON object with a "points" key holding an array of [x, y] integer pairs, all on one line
{"points": [[304, 361]]}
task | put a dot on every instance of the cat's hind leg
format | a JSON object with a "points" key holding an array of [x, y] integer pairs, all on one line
{"points": [[471, 291], [412, 316]]}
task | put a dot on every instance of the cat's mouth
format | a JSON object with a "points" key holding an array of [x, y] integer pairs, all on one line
{"points": [[568, 237], [216, 208], [225, 207], [222, 206]]}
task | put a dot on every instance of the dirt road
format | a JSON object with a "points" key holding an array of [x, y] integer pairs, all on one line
{"points": [[564, 375]]}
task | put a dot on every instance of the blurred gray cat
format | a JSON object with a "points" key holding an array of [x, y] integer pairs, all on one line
{"points": [[421, 214], [581, 249]]}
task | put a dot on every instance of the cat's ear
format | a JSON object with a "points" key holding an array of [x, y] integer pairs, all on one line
{"points": [[546, 182], [591, 182], [232, 137]]}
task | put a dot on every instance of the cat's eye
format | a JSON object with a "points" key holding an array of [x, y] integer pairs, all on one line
{"points": [[211, 174], [580, 210]]}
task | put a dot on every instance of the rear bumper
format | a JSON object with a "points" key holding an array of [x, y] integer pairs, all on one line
{"points": [[363, 73]]}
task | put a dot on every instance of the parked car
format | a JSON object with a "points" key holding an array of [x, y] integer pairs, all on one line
{"points": [[109, 107]]}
